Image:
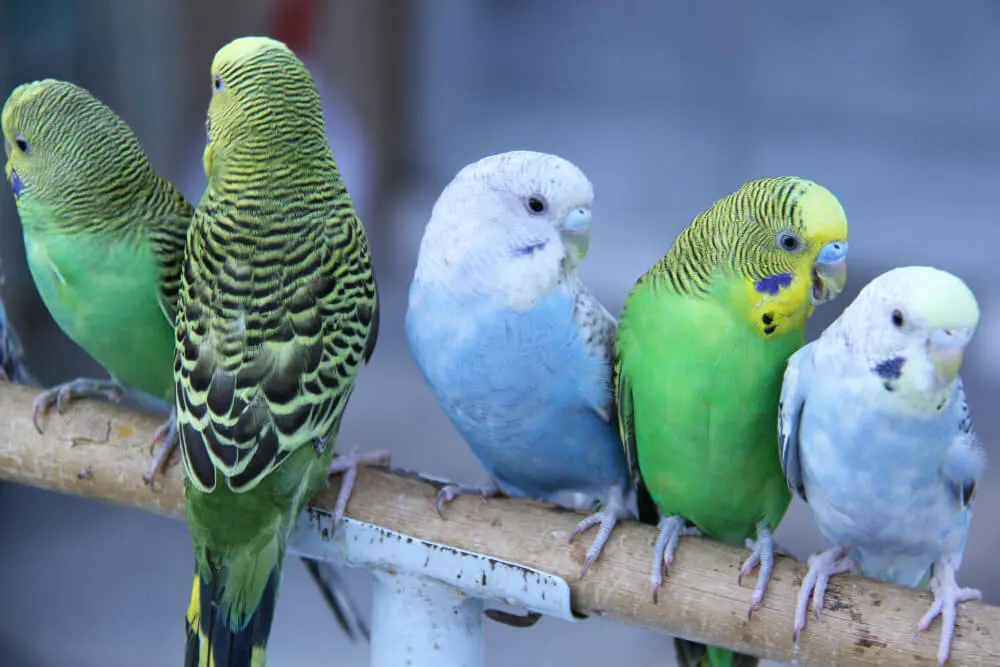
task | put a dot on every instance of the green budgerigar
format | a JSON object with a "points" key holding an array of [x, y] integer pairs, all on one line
{"points": [[277, 312], [104, 236], [702, 343]]}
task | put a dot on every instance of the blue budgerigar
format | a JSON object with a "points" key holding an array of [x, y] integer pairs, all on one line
{"points": [[12, 368], [514, 347], [877, 438]]}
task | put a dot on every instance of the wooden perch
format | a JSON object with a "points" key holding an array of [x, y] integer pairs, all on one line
{"points": [[101, 451]]}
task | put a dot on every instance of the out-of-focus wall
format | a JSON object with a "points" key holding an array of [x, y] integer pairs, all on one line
{"points": [[894, 105]]}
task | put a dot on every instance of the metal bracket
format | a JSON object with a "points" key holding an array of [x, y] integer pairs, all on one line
{"points": [[358, 544]]}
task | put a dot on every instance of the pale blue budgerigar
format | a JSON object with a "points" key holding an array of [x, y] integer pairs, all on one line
{"points": [[12, 368], [876, 436], [514, 347]]}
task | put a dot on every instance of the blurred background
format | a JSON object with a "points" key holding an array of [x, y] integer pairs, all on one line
{"points": [[894, 105]]}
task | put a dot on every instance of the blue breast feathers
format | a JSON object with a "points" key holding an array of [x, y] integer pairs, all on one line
{"points": [[520, 387]]}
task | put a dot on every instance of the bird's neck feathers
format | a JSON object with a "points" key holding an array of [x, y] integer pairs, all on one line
{"points": [[511, 275], [276, 167], [702, 263], [899, 379], [80, 213]]}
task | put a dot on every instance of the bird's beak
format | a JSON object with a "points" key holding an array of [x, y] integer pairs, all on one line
{"points": [[7, 168], [829, 272], [575, 233], [946, 349]]}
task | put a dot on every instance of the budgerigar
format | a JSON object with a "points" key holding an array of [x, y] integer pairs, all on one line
{"points": [[702, 342], [277, 311], [12, 368], [514, 347], [105, 240], [877, 438], [104, 236]]}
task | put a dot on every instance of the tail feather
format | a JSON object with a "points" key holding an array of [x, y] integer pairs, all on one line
{"points": [[338, 598], [693, 654], [210, 640]]}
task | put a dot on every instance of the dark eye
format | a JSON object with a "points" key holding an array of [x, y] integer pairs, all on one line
{"points": [[217, 84], [789, 241], [897, 318], [22, 144], [536, 204]]}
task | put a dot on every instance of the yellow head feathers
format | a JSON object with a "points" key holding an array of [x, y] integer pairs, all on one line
{"points": [[246, 47], [264, 102], [777, 247], [65, 146]]}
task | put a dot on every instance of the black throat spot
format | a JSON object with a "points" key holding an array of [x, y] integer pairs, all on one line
{"points": [[890, 369]]}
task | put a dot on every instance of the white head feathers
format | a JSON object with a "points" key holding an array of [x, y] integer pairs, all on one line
{"points": [[910, 326], [510, 224]]}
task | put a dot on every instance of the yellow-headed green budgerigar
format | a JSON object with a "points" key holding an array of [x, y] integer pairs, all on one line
{"points": [[702, 343], [277, 311], [104, 236], [105, 240]]}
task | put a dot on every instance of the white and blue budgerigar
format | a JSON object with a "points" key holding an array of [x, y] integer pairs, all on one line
{"points": [[877, 438], [514, 347]]}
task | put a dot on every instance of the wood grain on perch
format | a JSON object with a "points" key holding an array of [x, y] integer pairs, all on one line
{"points": [[98, 450]]}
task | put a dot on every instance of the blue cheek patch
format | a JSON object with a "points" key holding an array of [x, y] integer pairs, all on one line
{"points": [[890, 369], [774, 284], [527, 250], [15, 184]]}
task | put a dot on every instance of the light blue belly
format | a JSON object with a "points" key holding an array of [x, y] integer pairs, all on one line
{"points": [[516, 386], [875, 483]]}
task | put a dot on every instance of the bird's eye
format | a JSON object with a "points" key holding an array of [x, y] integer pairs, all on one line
{"points": [[536, 204], [789, 241], [897, 318], [217, 84], [22, 144]]}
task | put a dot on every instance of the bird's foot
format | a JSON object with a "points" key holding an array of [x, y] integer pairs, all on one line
{"points": [[167, 432], [62, 395], [446, 494], [763, 556], [947, 596], [672, 528], [607, 518], [778, 549], [347, 464], [822, 566]]}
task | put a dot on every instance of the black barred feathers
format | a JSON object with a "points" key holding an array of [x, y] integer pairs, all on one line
{"points": [[738, 235], [279, 294], [90, 169]]}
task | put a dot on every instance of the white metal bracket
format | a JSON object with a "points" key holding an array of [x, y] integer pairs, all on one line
{"points": [[358, 544], [427, 606]]}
